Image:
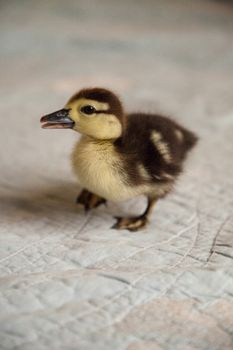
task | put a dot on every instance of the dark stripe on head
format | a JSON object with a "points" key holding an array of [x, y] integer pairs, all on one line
{"points": [[105, 112], [104, 96]]}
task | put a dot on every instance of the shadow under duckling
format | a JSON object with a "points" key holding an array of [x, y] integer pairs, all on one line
{"points": [[119, 155]]}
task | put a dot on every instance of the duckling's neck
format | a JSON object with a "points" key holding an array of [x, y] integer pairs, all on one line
{"points": [[97, 141], [100, 143]]}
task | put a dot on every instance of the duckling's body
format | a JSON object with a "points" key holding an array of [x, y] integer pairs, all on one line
{"points": [[143, 154], [99, 168]]}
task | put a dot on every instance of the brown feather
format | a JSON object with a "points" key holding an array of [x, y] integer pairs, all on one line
{"points": [[136, 147]]}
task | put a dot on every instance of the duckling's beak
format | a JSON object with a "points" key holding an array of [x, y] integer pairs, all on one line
{"points": [[57, 120]]}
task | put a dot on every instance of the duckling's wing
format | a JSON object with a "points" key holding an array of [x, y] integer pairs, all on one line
{"points": [[154, 147]]}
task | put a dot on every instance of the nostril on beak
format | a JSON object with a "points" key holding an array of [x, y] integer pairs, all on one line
{"points": [[63, 113]]}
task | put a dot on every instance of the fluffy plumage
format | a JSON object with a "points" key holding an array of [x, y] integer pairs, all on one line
{"points": [[119, 155], [157, 144]]}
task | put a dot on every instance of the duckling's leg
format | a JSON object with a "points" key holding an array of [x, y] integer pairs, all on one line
{"points": [[89, 200], [138, 222]]}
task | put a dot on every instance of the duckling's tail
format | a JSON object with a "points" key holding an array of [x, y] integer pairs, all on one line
{"points": [[189, 141]]}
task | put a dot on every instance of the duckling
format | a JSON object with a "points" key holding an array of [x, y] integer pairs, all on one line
{"points": [[120, 156]]}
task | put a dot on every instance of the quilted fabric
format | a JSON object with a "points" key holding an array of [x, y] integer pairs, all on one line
{"points": [[67, 281]]}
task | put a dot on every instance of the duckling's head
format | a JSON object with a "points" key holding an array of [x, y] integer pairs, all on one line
{"points": [[96, 112]]}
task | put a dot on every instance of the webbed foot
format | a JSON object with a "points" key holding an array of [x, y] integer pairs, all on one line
{"points": [[131, 224], [89, 200]]}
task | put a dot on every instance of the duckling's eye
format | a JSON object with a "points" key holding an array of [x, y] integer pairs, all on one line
{"points": [[88, 109]]}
